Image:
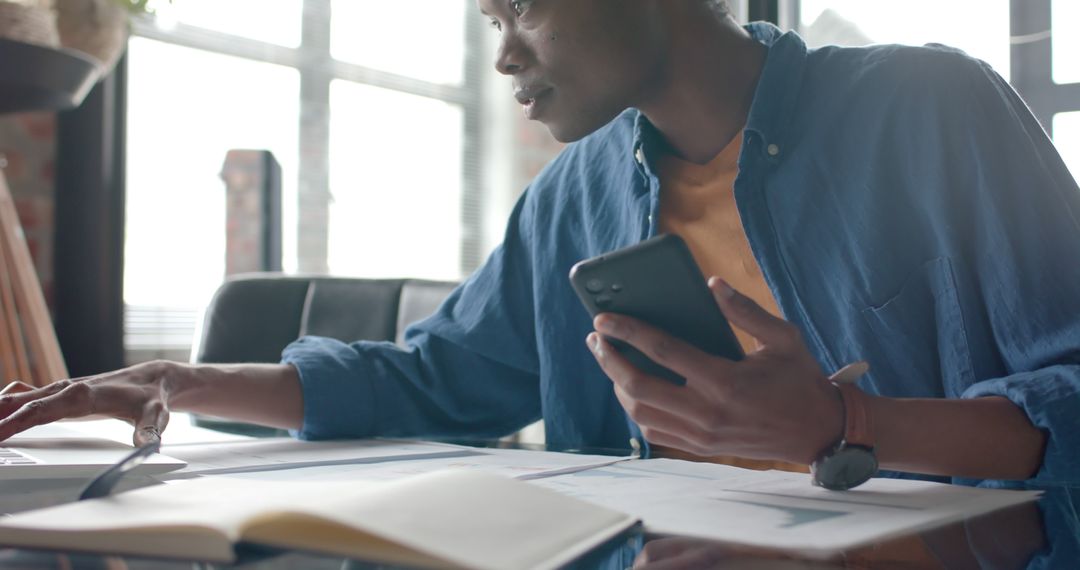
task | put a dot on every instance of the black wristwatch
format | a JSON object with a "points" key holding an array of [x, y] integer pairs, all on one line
{"points": [[850, 462]]}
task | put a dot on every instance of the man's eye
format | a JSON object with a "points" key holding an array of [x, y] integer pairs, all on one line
{"points": [[520, 6], [495, 24]]}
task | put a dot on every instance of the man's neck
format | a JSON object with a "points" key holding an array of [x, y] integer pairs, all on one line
{"points": [[708, 87]]}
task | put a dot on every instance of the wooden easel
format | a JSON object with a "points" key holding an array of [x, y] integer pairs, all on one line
{"points": [[29, 350]]}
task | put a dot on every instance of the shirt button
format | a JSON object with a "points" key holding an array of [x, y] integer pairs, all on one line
{"points": [[639, 156], [773, 150]]}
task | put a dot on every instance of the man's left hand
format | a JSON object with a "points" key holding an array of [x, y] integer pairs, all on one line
{"points": [[774, 404]]}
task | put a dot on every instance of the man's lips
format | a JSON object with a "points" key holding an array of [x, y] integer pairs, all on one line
{"points": [[528, 95]]}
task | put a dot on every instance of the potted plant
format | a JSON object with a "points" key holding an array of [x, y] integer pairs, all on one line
{"points": [[99, 28], [28, 21]]}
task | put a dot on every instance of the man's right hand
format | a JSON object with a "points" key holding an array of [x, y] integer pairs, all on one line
{"points": [[142, 395], [138, 395]]}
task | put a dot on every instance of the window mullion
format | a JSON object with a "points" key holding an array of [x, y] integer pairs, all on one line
{"points": [[217, 42], [314, 181], [472, 188], [1030, 61], [459, 95]]}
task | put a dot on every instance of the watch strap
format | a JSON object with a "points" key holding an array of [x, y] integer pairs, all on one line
{"points": [[858, 427]]}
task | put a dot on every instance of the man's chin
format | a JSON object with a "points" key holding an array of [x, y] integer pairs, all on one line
{"points": [[571, 130], [565, 133]]}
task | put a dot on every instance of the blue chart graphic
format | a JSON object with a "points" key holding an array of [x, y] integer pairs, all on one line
{"points": [[799, 516]]}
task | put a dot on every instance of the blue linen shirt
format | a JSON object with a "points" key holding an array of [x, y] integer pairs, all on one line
{"points": [[905, 209]]}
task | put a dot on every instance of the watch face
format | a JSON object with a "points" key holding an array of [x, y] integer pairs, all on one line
{"points": [[847, 467]]}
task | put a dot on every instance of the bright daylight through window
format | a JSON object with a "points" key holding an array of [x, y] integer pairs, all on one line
{"points": [[984, 32], [186, 108], [347, 110]]}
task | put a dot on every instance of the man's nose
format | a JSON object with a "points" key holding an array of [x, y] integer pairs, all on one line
{"points": [[512, 56]]}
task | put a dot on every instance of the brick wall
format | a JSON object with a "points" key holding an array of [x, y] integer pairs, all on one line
{"points": [[28, 142]]}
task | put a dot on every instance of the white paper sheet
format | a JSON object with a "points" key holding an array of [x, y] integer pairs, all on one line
{"points": [[775, 509], [513, 463], [280, 453]]}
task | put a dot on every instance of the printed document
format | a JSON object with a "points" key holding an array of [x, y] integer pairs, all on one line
{"points": [[775, 509], [284, 459]]}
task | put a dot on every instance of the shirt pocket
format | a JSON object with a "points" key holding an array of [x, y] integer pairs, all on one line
{"points": [[919, 346]]}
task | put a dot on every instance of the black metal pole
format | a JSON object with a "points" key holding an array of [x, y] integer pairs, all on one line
{"points": [[764, 10], [89, 247]]}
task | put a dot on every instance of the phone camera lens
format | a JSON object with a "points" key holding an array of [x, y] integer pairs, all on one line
{"points": [[594, 286], [603, 301]]}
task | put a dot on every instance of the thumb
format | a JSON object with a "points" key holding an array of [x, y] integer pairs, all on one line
{"points": [[150, 425], [744, 313]]}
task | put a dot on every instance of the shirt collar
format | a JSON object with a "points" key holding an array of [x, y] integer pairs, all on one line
{"points": [[774, 100]]}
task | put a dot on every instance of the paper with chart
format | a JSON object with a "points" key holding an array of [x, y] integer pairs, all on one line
{"points": [[775, 509]]}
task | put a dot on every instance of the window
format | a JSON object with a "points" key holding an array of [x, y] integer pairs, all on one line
{"points": [[389, 36], [277, 22], [374, 133], [1067, 139], [186, 108], [1030, 43], [410, 195], [1044, 53], [1066, 41], [979, 27]]}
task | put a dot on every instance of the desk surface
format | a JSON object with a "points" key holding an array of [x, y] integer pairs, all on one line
{"points": [[1045, 534]]}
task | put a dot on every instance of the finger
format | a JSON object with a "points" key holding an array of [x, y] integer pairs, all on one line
{"points": [[663, 548], [744, 313], [16, 387], [684, 425], [711, 557], [151, 423], [10, 402], [72, 400], [674, 441], [690, 560], [646, 415], [662, 348], [635, 383]]}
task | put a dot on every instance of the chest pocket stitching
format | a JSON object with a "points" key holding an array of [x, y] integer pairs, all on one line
{"points": [[933, 283]]}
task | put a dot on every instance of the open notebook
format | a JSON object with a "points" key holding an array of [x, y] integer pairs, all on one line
{"points": [[56, 452], [446, 519]]}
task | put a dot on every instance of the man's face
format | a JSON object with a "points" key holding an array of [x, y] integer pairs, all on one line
{"points": [[577, 64]]}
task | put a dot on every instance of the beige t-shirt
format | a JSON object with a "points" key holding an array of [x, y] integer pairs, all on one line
{"points": [[697, 203]]}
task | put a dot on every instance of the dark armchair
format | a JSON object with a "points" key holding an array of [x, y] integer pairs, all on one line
{"points": [[252, 317]]}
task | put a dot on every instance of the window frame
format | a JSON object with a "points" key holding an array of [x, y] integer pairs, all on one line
{"points": [[1031, 26], [312, 59]]}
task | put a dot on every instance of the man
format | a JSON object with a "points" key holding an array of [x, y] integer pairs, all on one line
{"points": [[897, 205]]}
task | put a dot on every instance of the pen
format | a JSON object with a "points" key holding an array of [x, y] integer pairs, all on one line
{"points": [[103, 484]]}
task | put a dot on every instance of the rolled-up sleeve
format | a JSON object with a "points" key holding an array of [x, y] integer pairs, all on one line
{"points": [[1050, 397], [1025, 258], [469, 370]]}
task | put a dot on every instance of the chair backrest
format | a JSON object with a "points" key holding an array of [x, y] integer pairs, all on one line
{"points": [[253, 317]]}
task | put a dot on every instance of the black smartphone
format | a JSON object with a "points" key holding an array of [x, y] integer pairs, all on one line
{"points": [[656, 281]]}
